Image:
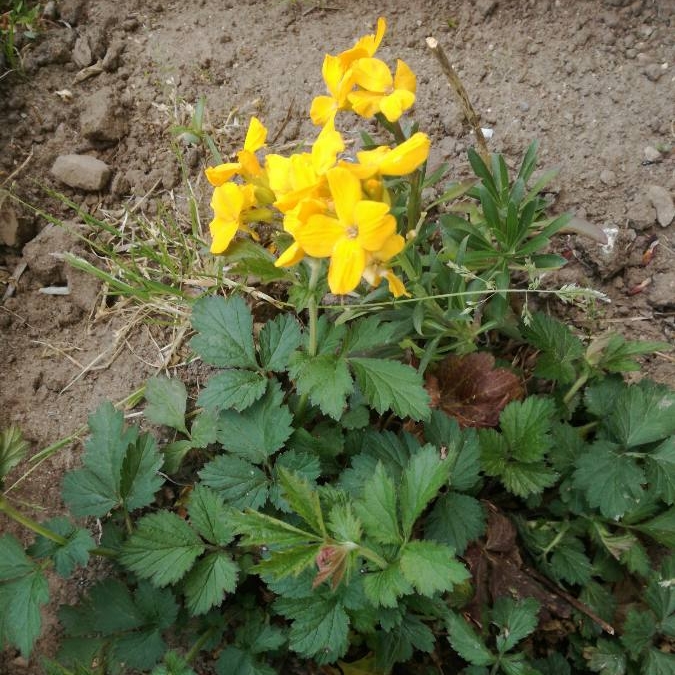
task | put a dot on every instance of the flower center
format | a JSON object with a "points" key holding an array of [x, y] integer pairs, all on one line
{"points": [[352, 232]]}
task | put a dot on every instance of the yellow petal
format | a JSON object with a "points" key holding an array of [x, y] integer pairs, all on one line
{"points": [[250, 167], [255, 136], [333, 71], [227, 202], [407, 157], [326, 148], [323, 109], [404, 77], [375, 224], [370, 43], [345, 188], [391, 247], [396, 287], [319, 235], [298, 216], [365, 103], [291, 256], [222, 232], [346, 266], [278, 174], [217, 175], [394, 105], [373, 75]]}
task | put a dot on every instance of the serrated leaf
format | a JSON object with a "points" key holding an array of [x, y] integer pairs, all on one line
{"points": [[390, 385], [166, 399], [366, 334], [119, 468], [69, 555], [23, 590], [431, 567], [258, 636], [378, 508], [289, 561], [385, 587], [398, 643], [240, 483], [260, 430], [661, 470], [659, 663], [278, 339], [225, 332], [606, 658], [174, 664], [639, 630], [174, 453], [302, 499], [162, 548], [325, 379], [425, 474], [611, 480], [570, 563], [259, 529], [526, 426], [614, 353], [232, 388], [204, 429], [661, 528], [236, 661], [13, 449], [207, 582], [343, 523], [209, 515], [515, 619], [466, 642], [455, 520]]}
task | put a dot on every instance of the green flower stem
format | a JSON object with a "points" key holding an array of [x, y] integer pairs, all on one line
{"points": [[581, 381], [201, 641]]}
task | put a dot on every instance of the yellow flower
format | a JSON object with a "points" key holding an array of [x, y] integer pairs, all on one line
{"points": [[232, 206], [247, 164], [379, 92], [359, 227], [385, 161], [376, 268]]}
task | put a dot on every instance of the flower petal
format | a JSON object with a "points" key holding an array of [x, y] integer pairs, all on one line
{"points": [[223, 232], [407, 157], [394, 105], [227, 202], [326, 148], [365, 103], [217, 175], [346, 266], [345, 188], [255, 136], [322, 109], [396, 287], [404, 77], [375, 224], [319, 235], [291, 256], [373, 75], [391, 247], [370, 43]]}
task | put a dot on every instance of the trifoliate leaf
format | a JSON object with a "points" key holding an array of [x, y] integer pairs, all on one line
{"points": [[642, 413], [207, 582], [456, 519], [431, 567], [260, 430], [384, 588], [13, 449], [119, 467], [240, 483], [162, 548], [460, 448], [389, 385], [319, 628], [526, 426], [166, 399], [613, 353], [377, 508], [606, 658], [224, 332], [661, 470], [560, 350], [278, 339], [425, 474], [232, 388], [515, 619], [23, 590], [236, 661], [466, 642], [611, 480], [66, 556], [325, 379], [302, 498], [209, 515], [639, 630]]}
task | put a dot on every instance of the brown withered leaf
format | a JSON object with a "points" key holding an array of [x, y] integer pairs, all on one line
{"points": [[472, 390]]}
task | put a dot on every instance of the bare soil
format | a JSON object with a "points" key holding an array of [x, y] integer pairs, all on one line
{"points": [[591, 80]]}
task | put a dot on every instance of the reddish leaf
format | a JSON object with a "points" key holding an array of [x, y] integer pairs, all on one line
{"points": [[472, 390]]}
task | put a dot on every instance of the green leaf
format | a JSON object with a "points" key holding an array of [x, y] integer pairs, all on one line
{"points": [[659, 663], [639, 631], [570, 563], [259, 529], [119, 467], [606, 658], [611, 481], [389, 385], [516, 620], [325, 379], [343, 524], [305, 464], [661, 470], [69, 555], [257, 635], [166, 399], [174, 453], [661, 528], [236, 661], [425, 474], [398, 643], [466, 642], [456, 520], [289, 561], [203, 431], [526, 426], [377, 508], [319, 628], [23, 590], [240, 483], [163, 548], [385, 587], [207, 582], [209, 516], [614, 353], [225, 332], [431, 567], [302, 499], [367, 334], [260, 430], [278, 339], [13, 449], [232, 388], [174, 664]]}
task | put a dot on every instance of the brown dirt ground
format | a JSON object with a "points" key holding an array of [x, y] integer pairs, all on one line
{"points": [[592, 80]]}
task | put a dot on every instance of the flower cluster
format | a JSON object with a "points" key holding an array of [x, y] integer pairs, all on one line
{"points": [[332, 206]]}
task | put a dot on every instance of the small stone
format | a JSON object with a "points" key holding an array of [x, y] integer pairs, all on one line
{"points": [[653, 71], [81, 171], [14, 231], [485, 7], [639, 212], [101, 120], [42, 254], [111, 60], [652, 154], [662, 201], [608, 178], [82, 56], [662, 290], [50, 12]]}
